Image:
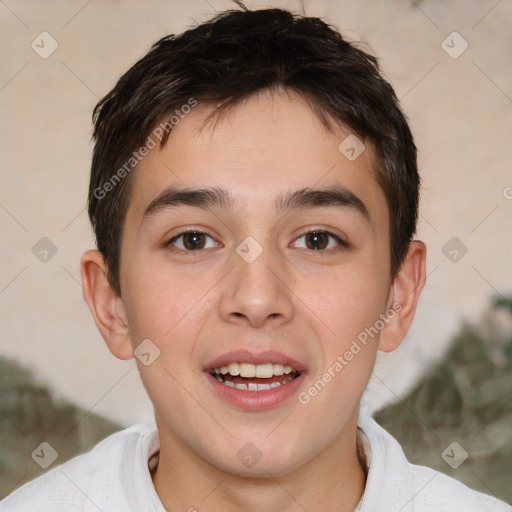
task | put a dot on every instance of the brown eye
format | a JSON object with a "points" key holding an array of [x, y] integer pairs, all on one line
{"points": [[320, 241], [191, 241], [316, 241]]}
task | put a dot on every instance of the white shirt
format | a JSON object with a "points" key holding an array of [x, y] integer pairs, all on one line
{"points": [[115, 477]]}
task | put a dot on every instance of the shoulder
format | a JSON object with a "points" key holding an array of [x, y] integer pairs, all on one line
{"points": [[437, 491], [84, 481], [395, 484]]}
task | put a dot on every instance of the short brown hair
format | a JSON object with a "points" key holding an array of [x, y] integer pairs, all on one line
{"points": [[227, 59]]}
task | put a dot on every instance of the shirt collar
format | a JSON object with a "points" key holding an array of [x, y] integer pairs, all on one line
{"points": [[388, 482]]}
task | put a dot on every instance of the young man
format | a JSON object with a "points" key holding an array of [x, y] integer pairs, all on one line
{"points": [[254, 195]]}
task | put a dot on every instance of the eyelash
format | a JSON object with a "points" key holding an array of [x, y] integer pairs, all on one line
{"points": [[341, 242]]}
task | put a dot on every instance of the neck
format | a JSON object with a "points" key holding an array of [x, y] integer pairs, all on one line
{"points": [[332, 481]]}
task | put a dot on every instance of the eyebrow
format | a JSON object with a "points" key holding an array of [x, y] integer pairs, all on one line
{"points": [[216, 197]]}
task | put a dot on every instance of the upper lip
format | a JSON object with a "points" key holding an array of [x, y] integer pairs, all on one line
{"points": [[246, 356]]}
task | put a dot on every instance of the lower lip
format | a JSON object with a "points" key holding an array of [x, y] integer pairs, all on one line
{"points": [[256, 400]]}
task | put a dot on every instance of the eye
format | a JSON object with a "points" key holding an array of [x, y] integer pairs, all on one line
{"points": [[191, 240], [195, 240], [317, 240]]}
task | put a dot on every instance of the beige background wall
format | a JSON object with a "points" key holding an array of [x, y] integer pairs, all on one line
{"points": [[460, 110]]}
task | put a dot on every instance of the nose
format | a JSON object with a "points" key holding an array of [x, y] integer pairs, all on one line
{"points": [[257, 293]]}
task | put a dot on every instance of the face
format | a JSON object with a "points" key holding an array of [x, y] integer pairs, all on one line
{"points": [[261, 280]]}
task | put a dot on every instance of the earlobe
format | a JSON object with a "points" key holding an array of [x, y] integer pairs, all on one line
{"points": [[404, 296], [106, 306]]}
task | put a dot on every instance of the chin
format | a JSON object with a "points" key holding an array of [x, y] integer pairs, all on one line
{"points": [[258, 460]]}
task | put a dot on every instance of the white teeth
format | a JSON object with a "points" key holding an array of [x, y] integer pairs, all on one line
{"points": [[248, 370], [234, 369], [265, 371], [278, 369], [253, 386], [259, 387]]}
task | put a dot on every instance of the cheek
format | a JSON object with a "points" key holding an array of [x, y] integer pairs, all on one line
{"points": [[348, 302], [165, 309], [160, 304], [170, 312], [350, 306], [348, 310]]}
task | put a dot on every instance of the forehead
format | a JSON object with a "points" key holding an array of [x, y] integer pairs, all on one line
{"points": [[262, 148]]}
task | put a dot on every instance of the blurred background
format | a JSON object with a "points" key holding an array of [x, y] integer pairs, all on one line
{"points": [[445, 394]]}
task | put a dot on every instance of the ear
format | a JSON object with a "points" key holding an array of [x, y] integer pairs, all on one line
{"points": [[403, 296], [105, 304]]}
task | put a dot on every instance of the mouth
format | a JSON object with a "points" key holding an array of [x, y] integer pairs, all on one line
{"points": [[254, 377], [255, 381]]}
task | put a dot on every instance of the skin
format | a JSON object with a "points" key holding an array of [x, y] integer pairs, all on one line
{"points": [[308, 304]]}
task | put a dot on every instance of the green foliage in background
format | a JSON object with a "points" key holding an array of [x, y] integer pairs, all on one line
{"points": [[466, 398], [30, 416]]}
